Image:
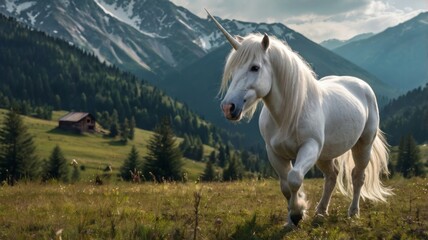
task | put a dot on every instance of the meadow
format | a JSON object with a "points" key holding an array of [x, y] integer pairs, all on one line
{"points": [[94, 151], [250, 209]]}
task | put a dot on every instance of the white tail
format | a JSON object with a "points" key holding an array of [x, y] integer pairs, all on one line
{"points": [[373, 189]]}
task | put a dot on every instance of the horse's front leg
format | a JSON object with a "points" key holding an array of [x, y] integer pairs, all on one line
{"points": [[282, 167], [306, 158]]}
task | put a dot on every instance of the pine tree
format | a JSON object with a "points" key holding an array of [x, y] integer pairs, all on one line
{"points": [[56, 167], [185, 145], [409, 162], [163, 160], [18, 159], [114, 117], [234, 170], [131, 165], [58, 104], [124, 131], [222, 158], [227, 151], [132, 125], [209, 173], [104, 119], [213, 157], [114, 125], [83, 102], [245, 158], [199, 150], [402, 152], [114, 129]]}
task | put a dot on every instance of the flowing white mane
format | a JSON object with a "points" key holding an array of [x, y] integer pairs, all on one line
{"points": [[293, 76]]}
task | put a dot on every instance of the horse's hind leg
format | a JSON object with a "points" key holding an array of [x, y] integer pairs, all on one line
{"points": [[330, 176], [361, 154]]}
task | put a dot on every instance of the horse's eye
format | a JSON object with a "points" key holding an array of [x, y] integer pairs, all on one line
{"points": [[254, 68]]}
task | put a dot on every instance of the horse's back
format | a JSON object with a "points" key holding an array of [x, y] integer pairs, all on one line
{"points": [[350, 109], [354, 85], [346, 88]]}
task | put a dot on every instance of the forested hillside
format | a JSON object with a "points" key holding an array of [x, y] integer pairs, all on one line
{"points": [[37, 70], [405, 115]]}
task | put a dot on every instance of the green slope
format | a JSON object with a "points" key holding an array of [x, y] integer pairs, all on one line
{"points": [[93, 150]]}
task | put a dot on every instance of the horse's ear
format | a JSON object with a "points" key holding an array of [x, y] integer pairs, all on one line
{"points": [[265, 42], [239, 38]]}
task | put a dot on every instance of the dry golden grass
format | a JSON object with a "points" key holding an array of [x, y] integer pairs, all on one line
{"points": [[238, 210]]}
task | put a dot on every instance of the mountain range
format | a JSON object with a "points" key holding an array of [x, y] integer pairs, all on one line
{"points": [[167, 45], [149, 38], [398, 56], [180, 52], [335, 43]]}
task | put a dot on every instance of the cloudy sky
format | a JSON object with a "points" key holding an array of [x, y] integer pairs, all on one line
{"points": [[317, 19]]}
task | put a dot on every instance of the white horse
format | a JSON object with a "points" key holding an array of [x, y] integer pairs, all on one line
{"points": [[312, 122]]}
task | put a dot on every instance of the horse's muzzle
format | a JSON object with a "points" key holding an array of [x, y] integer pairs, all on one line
{"points": [[231, 111]]}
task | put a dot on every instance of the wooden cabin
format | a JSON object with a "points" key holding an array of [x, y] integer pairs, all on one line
{"points": [[78, 122]]}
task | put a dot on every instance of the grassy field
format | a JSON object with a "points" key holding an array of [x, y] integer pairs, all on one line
{"points": [[239, 210], [93, 150], [250, 209]]}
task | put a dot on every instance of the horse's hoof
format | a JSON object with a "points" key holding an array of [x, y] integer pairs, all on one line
{"points": [[295, 219], [289, 226], [321, 213], [321, 216], [354, 213], [319, 219]]}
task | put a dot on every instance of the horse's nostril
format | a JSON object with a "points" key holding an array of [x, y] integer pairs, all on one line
{"points": [[232, 107]]}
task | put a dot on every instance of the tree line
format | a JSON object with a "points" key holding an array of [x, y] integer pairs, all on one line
{"points": [[164, 161], [18, 160], [407, 114], [409, 162]]}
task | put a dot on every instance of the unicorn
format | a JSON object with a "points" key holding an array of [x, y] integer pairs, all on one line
{"points": [[332, 123]]}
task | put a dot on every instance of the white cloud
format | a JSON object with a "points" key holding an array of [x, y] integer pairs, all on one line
{"points": [[317, 20], [257, 9], [375, 17]]}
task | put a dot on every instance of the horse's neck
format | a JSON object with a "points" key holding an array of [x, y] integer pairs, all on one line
{"points": [[276, 96], [271, 102]]}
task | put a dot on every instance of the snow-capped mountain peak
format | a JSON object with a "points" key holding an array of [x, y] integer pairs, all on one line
{"points": [[147, 37], [125, 14]]}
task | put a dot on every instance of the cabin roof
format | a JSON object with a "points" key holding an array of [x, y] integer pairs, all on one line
{"points": [[74, 116]]}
